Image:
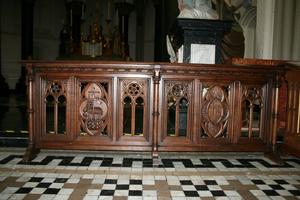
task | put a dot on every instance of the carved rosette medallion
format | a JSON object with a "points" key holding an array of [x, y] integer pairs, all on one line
{"points": [[56, 88], [94, 109], [215, 112], [178, 90]]}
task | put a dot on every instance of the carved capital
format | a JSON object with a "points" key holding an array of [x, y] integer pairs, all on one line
{"points": [[156, 76], [277, 82]]}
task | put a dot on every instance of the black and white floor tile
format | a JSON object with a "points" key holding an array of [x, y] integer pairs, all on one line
{"points": [[188, 163], [65, 175], [51, 186]]}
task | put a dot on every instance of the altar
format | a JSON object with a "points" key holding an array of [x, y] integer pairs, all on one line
{"points": [[101, 105]]}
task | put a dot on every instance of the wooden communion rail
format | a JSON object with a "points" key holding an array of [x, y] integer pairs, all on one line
{"points": [[152, 106]]}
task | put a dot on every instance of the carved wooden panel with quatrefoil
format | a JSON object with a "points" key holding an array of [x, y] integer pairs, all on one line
{"points": [[214, 112], [94, 109]]}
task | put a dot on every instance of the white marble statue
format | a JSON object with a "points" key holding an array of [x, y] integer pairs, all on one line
{"points": [[196, 9]]}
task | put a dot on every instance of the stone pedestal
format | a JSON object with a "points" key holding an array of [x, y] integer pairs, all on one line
{"points": [[203, 37]]}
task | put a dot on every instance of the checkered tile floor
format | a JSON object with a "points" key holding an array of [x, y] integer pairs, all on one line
{"points": [[80, 175]]}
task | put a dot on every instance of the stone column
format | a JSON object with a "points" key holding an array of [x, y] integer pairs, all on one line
{"points": [[27, 40], [296, 38], [285, 34], [248, 24], [288, 23], [278, 31], [265, 28]]}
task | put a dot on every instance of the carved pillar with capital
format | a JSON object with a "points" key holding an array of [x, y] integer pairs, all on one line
{"points": [[27, 40]]}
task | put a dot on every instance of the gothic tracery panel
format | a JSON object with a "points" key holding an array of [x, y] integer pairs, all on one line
{"points": [[134, 107], [178, 100], [55, 102], [252, 105], [214, 112], [94, 109]]}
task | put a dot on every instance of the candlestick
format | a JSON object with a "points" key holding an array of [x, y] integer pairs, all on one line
{"points": [[82, 11], [117, 18], [108, 9], [71, 17], [123, 24]]}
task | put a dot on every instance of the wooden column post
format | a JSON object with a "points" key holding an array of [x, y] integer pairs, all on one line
{"points": [[156, 80], [31, 149], [272, 152], [276, 87]]}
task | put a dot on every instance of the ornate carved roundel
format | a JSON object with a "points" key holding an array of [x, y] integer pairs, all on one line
{"points": [[215, 112], [179, 90], [134, 89], [56, 88], [93, 109]]}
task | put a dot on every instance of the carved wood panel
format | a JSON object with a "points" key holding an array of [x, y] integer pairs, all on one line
{"points": [[252, 111], [133, 107], [55, 107], [94, 109], [214, 112], [140, 106], [177, 108], [292, 132], [293, 108]]}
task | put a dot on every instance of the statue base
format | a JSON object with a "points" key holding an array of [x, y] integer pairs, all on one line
{"points": [[202, 39]]}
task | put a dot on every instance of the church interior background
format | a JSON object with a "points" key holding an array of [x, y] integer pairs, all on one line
{"points": [[135, 30], [270, 29]]}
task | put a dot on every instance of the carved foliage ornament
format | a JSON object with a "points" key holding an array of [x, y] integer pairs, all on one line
{"points": [[215, 112], [94, 109]]}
